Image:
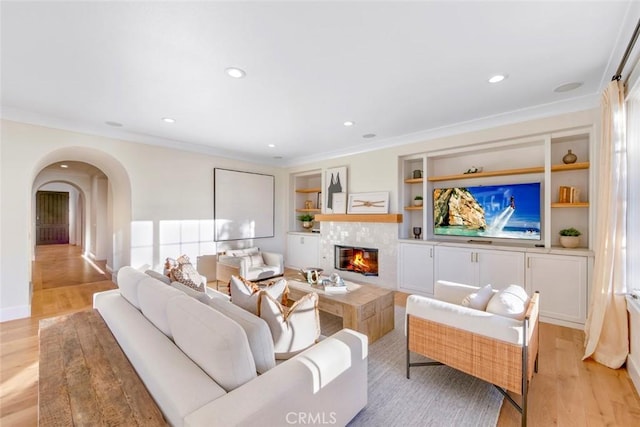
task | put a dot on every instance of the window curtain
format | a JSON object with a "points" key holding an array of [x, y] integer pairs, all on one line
{"points": [[607, 335]]}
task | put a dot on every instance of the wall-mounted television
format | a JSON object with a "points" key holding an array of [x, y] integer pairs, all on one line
{"points": [[509, 211]]}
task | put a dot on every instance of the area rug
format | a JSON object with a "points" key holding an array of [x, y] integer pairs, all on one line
{"points": [[434, 396]]}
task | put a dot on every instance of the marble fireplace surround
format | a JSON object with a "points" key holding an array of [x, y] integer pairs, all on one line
{"points": [[381, 236]]}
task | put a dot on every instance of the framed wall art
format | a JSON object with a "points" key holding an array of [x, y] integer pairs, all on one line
{"points": [[369, 203], [335, 181]]}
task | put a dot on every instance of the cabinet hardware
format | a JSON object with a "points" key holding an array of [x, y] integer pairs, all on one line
{"points": [[430, 252]]}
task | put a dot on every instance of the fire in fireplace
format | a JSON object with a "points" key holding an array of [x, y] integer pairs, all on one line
{"points": [[359, 260]]}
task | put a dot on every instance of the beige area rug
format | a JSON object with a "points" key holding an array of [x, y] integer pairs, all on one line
{"points": [[434, 396]]}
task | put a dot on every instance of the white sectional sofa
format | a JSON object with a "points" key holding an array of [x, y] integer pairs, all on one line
{"points": [[215, 367]]}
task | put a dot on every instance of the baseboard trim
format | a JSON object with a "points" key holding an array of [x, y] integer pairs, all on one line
{"points": [[560, 322], [13, 313]]}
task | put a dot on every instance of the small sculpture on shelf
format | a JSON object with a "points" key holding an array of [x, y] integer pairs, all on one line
{"points": [[417, 232], [569, 158], [473, 169]]}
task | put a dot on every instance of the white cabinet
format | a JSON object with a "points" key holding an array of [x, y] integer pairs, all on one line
{"points": [[303, 250], [562, 282], [479, 267], [415, 262]]}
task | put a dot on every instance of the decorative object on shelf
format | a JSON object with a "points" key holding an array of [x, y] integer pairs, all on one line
{"points": [[319, 201], [417, 231], [473, 169], [308, 204], [311, 274], [569, 158], [568, 194], [307, 221], [417, 174], [417, 201], [570, 238], [335, 181], [339, 203], [365, 203]]}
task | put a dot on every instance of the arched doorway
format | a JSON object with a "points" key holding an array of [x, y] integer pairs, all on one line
{"points": [[105, 190]]}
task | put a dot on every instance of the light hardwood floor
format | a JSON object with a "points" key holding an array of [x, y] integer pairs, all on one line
{"points": [[566, 391]]}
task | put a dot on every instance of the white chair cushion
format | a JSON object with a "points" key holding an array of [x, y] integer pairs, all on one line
{"points": [[200, 296], [509, 302], [294, 328], [128, 279], [242, 252], [478, 300], [257, 331], [161, 277], [154, 297], [213, 341], [452, 292], [245, 294]]}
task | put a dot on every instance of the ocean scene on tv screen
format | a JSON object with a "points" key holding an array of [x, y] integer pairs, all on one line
{"points": [[492, 211]]}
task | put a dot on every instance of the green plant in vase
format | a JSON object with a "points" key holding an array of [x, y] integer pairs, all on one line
{"points": [[570, 237], [307, 221], [417, 201]]}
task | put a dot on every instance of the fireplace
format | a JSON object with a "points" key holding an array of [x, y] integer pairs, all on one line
{"points": [[359, 260]]}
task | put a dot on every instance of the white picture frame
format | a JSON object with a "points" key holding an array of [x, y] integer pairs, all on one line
{"points": [[335, 181], [369, 203], [339, 203]]}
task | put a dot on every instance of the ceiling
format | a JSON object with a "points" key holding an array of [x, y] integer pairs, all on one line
{"points": [[403, 72]]}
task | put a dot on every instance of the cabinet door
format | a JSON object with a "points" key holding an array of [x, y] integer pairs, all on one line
{"points": [[562, 282], [302, 251], [416, 268], [456, 265], [500, 268]]}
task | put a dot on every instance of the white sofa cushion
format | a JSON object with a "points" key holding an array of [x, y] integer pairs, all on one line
{"points": [[177, 384], [242, 252], [510, 302], [294, 328], [479, 299], [467, 319], [257, 330], [154, 297], [213, 341], [200, 296], [245, 294], [452, 292], [161, 277], [128, 279]]}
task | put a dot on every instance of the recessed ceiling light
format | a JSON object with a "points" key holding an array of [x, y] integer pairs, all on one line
{"points": [[497, 78], [114, 124], [369, 135], [568, 86], [236, 73], [63, 166], [271, 145], [168, 120], [349, 123]]}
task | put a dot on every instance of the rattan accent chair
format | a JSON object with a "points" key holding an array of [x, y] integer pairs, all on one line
{"points": [[507, 363]]}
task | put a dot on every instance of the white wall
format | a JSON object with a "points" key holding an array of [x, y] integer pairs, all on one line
{"points": [[162, 201]]}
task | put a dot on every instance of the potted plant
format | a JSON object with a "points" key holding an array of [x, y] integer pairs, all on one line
{"points": [[307, 221], [570, 238], [417, 201]]}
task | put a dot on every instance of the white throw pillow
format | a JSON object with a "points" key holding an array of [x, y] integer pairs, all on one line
{"points": [[256, 260], [245, 293], [479, 299], [509, 302], [294, 328]]}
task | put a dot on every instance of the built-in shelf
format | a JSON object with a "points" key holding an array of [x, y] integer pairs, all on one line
{"points": [[413, 208], [390, 218], [308, 190], [414, 180], [504, 172], [570, 205], [307, 210]]}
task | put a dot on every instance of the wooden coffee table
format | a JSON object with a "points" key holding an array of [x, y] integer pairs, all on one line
{"points": [[364, 308]]}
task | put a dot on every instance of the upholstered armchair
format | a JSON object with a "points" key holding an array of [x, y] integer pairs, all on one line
{"points": [[499, 345], [251, 264]]}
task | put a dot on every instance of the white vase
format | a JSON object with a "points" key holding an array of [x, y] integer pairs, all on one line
{"points": [[417, 203], [570, 241]]}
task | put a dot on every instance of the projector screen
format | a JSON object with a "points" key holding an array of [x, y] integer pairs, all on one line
{"points": [[243, 205]]}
